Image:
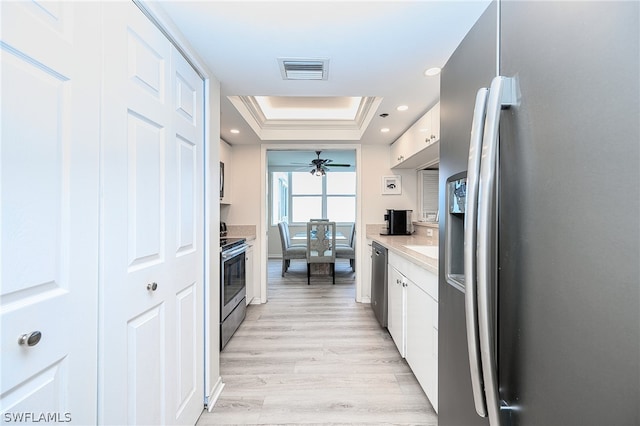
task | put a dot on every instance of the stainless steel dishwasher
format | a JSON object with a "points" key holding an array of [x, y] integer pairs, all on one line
{"points": [[379, 282]]}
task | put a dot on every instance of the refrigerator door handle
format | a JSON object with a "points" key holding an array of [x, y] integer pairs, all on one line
{"points": [[501, 95], [470, 227]]}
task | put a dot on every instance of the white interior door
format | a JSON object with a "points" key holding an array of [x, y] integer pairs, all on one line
{"points": [[49, 209], [152, 227]]}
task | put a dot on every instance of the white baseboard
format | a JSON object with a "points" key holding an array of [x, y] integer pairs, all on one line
{"points": [[214, 394]]}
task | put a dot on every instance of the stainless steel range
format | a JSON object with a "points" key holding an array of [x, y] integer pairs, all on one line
{"points": [[232, 285]]}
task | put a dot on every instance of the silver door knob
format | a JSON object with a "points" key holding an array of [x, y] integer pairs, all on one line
{"points": [[30, 339], [152, 286]]}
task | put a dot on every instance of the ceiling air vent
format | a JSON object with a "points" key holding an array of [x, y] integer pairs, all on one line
{"points": [[304, 69]]}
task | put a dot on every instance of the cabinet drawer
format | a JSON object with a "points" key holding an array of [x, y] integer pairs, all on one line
{"points": [[424, 279]]}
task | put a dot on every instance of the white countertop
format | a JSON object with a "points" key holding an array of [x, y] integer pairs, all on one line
{"points": [[398, 243]]}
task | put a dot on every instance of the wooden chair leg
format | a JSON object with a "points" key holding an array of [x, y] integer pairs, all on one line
{"points": [[284, 266], [308, 273], [333, 272]]}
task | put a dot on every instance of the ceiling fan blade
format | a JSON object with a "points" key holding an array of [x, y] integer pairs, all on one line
{"points": [[339, 165]]}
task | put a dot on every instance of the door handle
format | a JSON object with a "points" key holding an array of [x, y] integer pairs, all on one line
{"points": [[152, 286], [502, 94], [470, 235], [30, 339]]}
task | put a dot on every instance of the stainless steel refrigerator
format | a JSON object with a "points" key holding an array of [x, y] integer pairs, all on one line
{"points": [[539, 288]]}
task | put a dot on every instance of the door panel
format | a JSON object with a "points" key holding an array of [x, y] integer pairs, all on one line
{"points": [[188, 346], [49, 209], [146, 203], [146, 366], [187, 157], [471, 67], [188, 103], [569, 342]]}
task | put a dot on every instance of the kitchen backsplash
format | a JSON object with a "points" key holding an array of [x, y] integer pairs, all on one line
{"points": [[420, 229], [245, 231]]}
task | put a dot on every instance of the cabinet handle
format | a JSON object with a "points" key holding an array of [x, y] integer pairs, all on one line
{"points": [[30, 339], [152, 286]]}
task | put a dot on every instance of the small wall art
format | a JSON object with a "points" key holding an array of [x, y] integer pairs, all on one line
{"points": [[391, 185]]}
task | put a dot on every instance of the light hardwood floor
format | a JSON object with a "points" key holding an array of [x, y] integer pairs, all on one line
{"points": [[312, 355]]}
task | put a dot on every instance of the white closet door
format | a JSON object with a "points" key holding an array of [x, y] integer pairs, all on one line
{"points": [[187, 253], [49, 210], [152, 229]]}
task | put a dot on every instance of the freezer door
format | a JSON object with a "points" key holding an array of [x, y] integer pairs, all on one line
{"points": [[569, 314], [470, 67]]}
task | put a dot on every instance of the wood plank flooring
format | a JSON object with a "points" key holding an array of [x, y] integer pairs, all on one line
{"points": [[312, 355]]}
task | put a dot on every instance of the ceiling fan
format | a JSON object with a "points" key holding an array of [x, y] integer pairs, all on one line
{"points": [[320, 165]]}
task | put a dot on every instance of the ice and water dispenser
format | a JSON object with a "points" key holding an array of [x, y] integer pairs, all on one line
{"points": [[456, 197]]}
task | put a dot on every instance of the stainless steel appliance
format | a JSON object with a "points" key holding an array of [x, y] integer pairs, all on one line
{"points": [[398, 222], [232, 286], [379, 282], [551, 333]]}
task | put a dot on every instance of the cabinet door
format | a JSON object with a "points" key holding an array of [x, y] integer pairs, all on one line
{"points": [[422, 340], [226, 172], [251, 286], [397, 151], [435, 123], [396, 308], [421, 133]]}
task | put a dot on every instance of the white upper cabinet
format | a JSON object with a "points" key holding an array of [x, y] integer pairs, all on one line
{"points": [[419, 145], [226, 169]]}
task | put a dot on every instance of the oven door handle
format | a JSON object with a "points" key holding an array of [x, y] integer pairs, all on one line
{"points": [[228, 254]]}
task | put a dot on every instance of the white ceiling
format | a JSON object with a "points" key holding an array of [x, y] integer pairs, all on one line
{"points": [[375, 48]]}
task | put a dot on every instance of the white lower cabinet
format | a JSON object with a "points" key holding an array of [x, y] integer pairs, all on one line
{"points": [[250, 275], [396, 308], [413, 320], [422, 339]]}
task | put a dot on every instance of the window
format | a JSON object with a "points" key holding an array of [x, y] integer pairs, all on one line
{"points": [[332, 196], [341, 196], [280, 197]]}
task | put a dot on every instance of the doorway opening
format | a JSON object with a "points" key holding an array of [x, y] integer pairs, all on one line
{"points": [[303, 184]]}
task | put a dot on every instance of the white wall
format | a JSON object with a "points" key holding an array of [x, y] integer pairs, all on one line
{"points": [[246, 188], [375, 159]]}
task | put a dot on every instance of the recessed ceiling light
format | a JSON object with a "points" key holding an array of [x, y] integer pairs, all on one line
{"points": [[234, 131], [384, 129], [402, 108], [432, 71]]}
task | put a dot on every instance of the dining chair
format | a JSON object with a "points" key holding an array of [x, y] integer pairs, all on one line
{"points": [[348, 251], [289, 251], [321, 246]]}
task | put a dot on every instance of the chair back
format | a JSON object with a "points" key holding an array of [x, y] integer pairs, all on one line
{"points": [[321, 242], [352, 236], [284, 235]]}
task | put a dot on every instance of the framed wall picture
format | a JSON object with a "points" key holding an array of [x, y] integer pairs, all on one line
{"points": [[391, 185]]}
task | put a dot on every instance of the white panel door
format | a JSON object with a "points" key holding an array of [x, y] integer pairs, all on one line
{"points": [[49, 211], [152, 271], [187, 254]]}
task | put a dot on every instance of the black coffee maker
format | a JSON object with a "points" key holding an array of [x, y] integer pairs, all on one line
{"points": [[398, 222]]}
